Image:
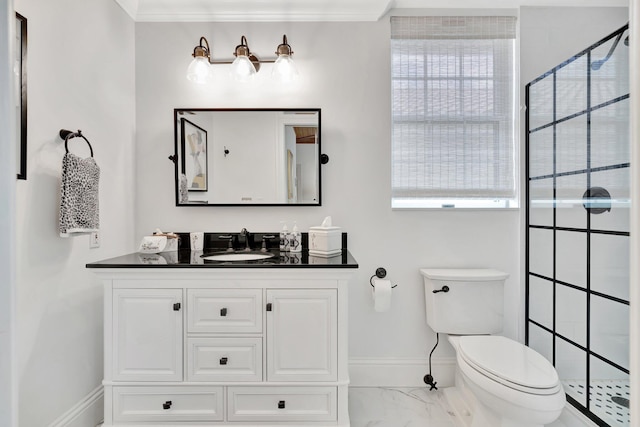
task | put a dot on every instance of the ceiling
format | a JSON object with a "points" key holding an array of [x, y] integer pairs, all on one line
{"points": [[312, 10]]}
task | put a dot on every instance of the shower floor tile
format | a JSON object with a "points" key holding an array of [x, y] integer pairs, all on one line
{"points": [[601, 395], [397, 407]]}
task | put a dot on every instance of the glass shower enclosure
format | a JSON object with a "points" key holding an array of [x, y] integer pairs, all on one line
{"points": [[577, 226]]}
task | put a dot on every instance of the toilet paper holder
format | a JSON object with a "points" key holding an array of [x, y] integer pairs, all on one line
{"points": [[381, 273]]}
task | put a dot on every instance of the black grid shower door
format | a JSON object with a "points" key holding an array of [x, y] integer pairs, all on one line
{"points": [[577, 223]]}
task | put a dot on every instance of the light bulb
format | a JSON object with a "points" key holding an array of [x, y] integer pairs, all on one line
{"points": [[284, 69], [199, 70], [242, 69]]}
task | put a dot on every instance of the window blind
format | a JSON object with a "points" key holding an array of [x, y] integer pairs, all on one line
{"points": [[453, 124]]}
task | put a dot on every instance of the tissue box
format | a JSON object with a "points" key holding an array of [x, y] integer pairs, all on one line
{"points": [[325, 241]]}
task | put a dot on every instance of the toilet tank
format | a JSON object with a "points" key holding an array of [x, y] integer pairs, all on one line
{"points": [[473, 304]]}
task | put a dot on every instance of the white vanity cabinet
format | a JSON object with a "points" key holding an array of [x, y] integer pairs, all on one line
{"points": [[225, 346]]}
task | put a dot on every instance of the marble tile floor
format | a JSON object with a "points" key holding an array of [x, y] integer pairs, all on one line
{"points": [[404, 407], [397, 407]]}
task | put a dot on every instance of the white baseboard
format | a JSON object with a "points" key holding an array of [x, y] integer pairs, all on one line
{"points": [[398, 372], [86, 413]]}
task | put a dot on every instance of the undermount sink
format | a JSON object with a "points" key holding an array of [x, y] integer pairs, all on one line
{"points": [[238, 256]]}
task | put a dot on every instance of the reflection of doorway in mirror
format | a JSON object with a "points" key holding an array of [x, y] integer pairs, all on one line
{"points": [[306, 163]]}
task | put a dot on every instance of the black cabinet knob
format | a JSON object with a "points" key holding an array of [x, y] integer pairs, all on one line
{"points": [[176, 306], [281, 404], [167, 404], [223, 360], [223, 312]]}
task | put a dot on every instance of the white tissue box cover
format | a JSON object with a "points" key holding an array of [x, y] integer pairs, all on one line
{"points": [[325, 241]]}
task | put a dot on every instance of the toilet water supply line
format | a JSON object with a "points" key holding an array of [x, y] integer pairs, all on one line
{"points": [[428, 379]]}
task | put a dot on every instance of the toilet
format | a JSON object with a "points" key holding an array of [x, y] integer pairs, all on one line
{"points": [[499, 382]]}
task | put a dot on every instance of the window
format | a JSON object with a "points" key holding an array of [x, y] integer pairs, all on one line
{"points": [[453, 106]]}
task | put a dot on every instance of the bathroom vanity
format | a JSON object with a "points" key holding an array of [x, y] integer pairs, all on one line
{"points": [[195, 342]]}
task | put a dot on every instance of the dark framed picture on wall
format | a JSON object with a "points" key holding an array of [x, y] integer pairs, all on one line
{"points": [[20, 97], [194, 155]]}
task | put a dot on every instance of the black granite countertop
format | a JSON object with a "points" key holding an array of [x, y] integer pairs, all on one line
{"points": [[185, 258]]}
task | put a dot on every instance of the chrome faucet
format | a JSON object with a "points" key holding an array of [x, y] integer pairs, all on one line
{"points": [[247, 238]]}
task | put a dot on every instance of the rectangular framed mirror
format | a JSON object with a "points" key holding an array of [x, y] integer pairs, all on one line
{"points": [[247, 157]]}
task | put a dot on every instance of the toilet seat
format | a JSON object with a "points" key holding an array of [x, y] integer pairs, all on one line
{"points": [[509, 363]]}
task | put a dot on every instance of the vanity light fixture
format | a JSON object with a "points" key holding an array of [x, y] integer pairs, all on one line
{"points": [[284, 69], [199, 70], [242, 68], [245, 65]]}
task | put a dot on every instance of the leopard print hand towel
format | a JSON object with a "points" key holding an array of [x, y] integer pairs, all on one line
{"points": [[79, 195]]}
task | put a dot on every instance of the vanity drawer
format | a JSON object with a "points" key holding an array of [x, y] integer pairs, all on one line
{"points": [[161, 404], [256, 404], [224, 359], [224, 310]]}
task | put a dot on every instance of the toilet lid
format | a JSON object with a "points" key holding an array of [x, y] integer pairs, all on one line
{"points": [[508, 361]]}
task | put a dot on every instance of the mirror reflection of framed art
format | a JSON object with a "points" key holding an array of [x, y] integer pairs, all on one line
{"points": [[20, 70], [194, 155]]}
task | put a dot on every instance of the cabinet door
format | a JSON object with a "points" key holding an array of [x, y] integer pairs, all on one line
{"points": [[302, 335], [147, 334]]}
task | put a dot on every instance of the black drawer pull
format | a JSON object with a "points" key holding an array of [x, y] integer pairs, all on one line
{"points": [[223, 312], [167, 404], [176, 306], [223, 360], [281, 404]]}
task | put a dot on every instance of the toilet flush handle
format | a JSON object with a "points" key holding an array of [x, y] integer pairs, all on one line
{"points": [[445, 288]]}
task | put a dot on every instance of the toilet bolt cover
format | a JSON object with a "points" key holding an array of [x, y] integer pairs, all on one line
{"points": [[509, 360]]}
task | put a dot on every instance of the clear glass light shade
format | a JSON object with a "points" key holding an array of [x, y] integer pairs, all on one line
{"points": [[284, 69], [199, 71], [242, 69]]}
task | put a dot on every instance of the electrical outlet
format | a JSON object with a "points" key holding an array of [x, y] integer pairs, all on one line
{"points": [[94, 239]]}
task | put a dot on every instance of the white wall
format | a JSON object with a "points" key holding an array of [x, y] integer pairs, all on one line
{"points": [[551, 35], [634, 69], [8, 379], [80, 76]]}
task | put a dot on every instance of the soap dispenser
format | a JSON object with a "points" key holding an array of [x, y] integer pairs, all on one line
{"points": [[284, 237], [295, 239]]}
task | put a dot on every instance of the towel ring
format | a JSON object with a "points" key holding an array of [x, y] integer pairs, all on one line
{"points": [[67, 135]]}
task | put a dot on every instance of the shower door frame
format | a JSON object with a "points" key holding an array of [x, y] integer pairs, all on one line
{"points": [[588, 352]]}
